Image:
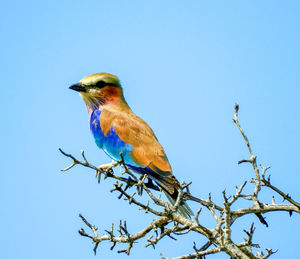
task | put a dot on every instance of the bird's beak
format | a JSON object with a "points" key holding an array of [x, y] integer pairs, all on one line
{"points": [[78, 87]]}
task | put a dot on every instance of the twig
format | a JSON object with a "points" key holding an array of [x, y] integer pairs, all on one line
{"points": [[225, 217]]}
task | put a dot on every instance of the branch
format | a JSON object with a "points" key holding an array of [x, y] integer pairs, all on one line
{"points": [[124, 236], [106, 169], [169, 223], [118, 187], [268, 184], [198, 254]]}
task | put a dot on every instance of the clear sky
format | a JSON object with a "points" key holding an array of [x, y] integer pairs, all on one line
{"points": [[183, 65]]}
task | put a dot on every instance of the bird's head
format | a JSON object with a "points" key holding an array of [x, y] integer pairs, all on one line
{"points": [[99, 89]]}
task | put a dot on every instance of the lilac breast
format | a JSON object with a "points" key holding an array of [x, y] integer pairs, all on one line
{"points": [[111, 143]]}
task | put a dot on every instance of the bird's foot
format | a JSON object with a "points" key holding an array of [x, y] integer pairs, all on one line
{"points": [[105, 167]]}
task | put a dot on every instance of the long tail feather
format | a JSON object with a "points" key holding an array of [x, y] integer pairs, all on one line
{"points": [[169, 185], [183, 209]]}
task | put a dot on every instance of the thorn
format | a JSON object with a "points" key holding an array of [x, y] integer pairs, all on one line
{"points": [[236, 107], [262, 219]]}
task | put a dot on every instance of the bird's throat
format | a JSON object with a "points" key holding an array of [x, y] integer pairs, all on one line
{"points": [[101, 102]]}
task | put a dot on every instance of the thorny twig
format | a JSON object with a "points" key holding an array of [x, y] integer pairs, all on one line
{"points": [[224, 215], [108, 172]]}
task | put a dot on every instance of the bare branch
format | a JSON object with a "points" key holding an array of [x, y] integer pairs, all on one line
{"points": [[108, 172], [167, 222], [118, 187], [199, 254]]}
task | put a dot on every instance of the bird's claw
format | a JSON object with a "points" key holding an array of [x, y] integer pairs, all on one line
{"points": [[104, 167]]}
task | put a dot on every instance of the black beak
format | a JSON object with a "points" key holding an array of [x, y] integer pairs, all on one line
{"points": [[78, 87]]}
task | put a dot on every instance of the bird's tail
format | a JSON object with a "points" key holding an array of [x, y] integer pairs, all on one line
{"points": [[183, 209], [169, 185]]}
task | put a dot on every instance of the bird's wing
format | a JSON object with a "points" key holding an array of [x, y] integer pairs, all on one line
{"points": [[147, 151]]}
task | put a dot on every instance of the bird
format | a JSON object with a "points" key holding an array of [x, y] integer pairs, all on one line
{"points": [[117, 130]]}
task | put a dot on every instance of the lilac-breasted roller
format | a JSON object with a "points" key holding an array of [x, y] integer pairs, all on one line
{"points": [[117, 129]]}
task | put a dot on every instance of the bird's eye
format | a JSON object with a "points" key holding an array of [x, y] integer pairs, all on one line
{"points": [[100, 84]]}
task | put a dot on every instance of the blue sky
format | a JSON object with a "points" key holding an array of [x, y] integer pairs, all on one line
{"points": [[183, 65]]}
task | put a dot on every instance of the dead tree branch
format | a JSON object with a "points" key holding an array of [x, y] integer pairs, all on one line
{"points": [[168, 223]]}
